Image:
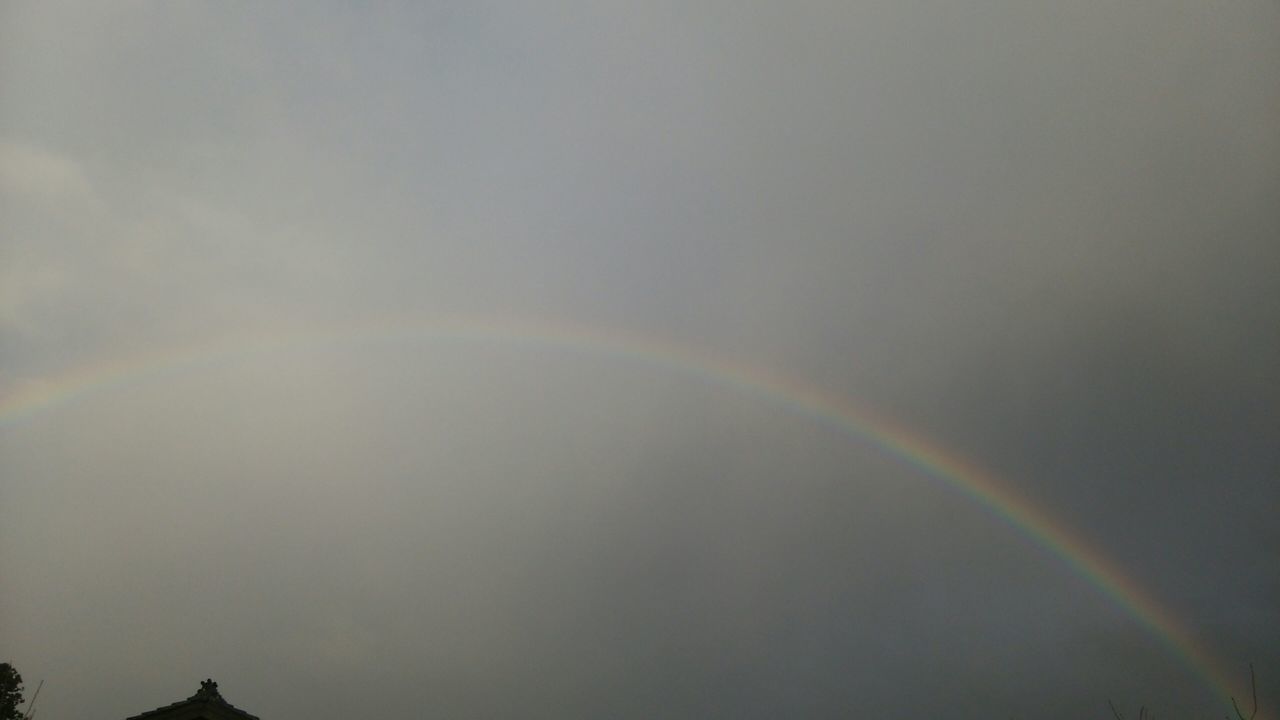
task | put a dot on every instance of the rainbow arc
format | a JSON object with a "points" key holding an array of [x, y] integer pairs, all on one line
{"points": [[999, 498]]}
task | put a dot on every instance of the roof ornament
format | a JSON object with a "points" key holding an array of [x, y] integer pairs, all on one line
{"points": [[208, 692]]}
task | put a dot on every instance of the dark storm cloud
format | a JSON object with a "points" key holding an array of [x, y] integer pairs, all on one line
{"points": [[1042, 235]]}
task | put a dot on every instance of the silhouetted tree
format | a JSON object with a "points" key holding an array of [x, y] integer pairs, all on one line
{"points": [[1144, 714], [10, 693]]}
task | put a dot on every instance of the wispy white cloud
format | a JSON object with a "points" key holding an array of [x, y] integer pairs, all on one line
{"points": [[36, 174]]}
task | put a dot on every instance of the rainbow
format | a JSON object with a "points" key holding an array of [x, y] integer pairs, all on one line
{"points": [[794, 394]]}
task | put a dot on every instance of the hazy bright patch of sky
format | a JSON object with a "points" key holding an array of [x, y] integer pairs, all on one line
{"points": [[1042, 235]]}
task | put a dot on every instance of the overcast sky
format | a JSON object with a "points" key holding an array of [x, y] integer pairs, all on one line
{"points": [[1044, 236]]}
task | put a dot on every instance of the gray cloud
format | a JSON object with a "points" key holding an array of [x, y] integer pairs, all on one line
{"points": [[1042, 236]]}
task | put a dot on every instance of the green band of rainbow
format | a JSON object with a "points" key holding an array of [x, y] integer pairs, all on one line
{"points": [[791, 393]]}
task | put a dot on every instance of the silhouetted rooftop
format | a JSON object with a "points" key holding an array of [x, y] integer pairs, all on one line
{"points": [[206, 704]]}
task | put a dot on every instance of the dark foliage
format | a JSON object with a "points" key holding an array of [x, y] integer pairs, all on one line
{"points": [[10, 693]]}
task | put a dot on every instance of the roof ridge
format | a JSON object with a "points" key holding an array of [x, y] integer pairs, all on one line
{"points": [[207, 695]]}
